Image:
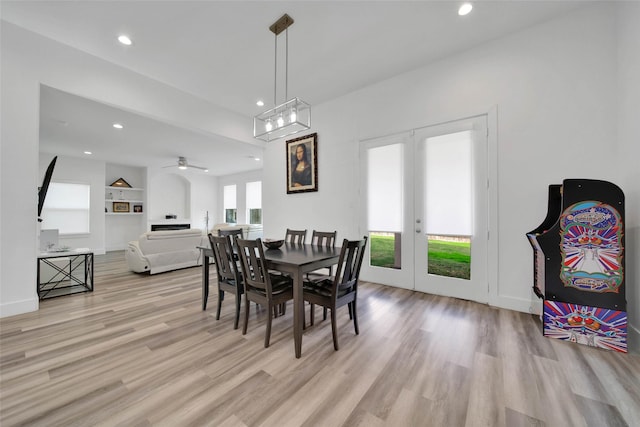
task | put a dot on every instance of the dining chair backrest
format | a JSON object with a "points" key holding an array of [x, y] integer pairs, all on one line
{"points": [[254, 265], [324, 238], [223, 255], [348, 269], [295, 236], [231, 232]]}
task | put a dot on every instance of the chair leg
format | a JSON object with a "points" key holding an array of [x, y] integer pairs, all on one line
{"points": [[350, 310], [334, 329], [324, 313], [237, 320], [246, 315], [267, 335], [220, 298], [355, 316], [313, 314]]}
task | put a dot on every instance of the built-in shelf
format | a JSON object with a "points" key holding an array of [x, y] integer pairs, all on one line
{"points": [[130, 195], [108, 187], [122, 213]]}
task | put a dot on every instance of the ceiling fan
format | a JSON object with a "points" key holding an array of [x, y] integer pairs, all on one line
{"points": [[184, 165]]}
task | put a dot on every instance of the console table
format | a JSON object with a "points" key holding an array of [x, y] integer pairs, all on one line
{"points": [[71, 273]]}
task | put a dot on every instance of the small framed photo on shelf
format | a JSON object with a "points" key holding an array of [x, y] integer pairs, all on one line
{"points": [[137, 208], [121, 206]]}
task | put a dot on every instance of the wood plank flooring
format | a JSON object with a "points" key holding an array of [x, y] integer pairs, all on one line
{"points": [[139, 351]]}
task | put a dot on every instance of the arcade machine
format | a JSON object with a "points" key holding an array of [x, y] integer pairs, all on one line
{"points": [[579, 264]]}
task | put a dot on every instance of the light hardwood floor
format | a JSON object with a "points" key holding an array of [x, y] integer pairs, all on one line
{"points": [[140, 351]]}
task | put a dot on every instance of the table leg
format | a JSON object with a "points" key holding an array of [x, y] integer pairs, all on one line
{"points": [[298, 311], [205, 280]]}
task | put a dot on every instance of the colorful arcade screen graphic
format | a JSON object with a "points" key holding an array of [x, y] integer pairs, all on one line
{"points": [[592, 326], [591, 236]]}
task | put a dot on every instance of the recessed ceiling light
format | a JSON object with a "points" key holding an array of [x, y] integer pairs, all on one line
{"points": [[88, 152], [257, 159], [125, 40], [117, 126], [260, 103], [465, 9], [206, 170]]}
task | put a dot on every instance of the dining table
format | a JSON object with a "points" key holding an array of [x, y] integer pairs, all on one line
{"points": [[292, 259]]}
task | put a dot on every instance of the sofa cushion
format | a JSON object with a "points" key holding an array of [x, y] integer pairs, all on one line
{"points": [[153, 242]]}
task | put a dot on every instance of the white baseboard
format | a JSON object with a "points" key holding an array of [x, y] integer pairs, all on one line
{"points": [[518, 304], [19, 307]]}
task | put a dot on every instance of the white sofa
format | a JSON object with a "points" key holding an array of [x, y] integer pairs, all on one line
{"points": [[160, 251], [249, 231]]}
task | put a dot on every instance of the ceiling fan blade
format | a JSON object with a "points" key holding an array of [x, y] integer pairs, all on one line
{"points": [[197, 167]]}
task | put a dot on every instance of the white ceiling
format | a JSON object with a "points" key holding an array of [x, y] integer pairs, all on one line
{"points": [[223, 52]]}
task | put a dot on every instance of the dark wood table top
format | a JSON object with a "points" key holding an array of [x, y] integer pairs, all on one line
{"points": [[300, 255]]}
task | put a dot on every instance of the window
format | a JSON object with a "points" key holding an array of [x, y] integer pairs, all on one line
{"points": [[66, 208], [230, 211], [254, 202]]}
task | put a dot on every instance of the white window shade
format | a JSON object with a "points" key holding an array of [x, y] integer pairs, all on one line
{"points": [[254, 195], [448, 184], [66, 208], [229, 197], [384, 193]]}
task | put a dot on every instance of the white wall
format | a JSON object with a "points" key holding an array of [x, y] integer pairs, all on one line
{"points": [[20, 96], [204, 200], [188, 195], [629, 142], [169, 194], [555, 87]]}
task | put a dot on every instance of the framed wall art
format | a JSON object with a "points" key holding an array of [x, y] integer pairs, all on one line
{"points": [[302, 164], [121, 206]]}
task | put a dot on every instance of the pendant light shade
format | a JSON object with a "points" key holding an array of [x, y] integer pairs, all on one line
{"points": [[291, 116]]}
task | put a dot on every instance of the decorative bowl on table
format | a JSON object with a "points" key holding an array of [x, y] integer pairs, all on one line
{"points": [[272, 244]]}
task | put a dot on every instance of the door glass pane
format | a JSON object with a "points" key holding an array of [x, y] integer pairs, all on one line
{"points": [[449, 256], [448, 204], [384, 211], [385, 249]]}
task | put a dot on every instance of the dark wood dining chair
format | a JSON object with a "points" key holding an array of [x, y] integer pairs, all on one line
{"points": [[264, 288], [229, 277], [326, 239], [231, 232], [342, 290], [295, 236]]}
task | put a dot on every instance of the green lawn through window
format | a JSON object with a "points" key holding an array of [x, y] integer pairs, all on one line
{"points": [[446, 258]]}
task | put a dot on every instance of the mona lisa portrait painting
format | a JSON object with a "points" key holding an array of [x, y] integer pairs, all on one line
{"points": [[302, 164]]}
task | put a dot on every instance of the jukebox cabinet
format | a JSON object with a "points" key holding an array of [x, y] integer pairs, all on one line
{"points": [[579, 264]]}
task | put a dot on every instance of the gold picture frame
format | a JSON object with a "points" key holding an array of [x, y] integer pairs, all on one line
{"points": [[121, 207], [302, 164]]}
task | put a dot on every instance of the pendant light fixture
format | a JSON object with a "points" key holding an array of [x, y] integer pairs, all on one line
{"points": [[290, 117]]}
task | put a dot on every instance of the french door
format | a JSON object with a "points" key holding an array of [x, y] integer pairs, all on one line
{"points": [[427, 210]]}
